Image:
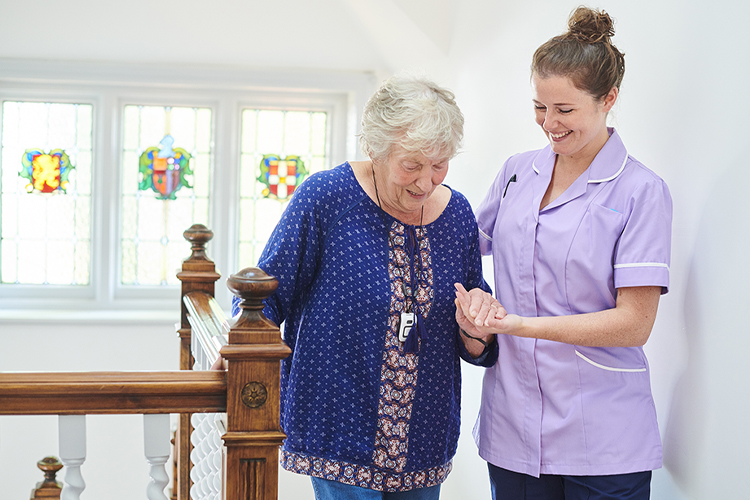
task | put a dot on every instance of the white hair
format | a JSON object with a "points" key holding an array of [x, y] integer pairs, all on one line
{"points": [[414, 113]]}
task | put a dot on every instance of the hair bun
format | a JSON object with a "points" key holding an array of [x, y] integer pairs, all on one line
{"points": [[590, 26]]}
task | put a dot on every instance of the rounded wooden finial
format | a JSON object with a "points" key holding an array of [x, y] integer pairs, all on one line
{"points": [[252, 286], [198, 235], [49, 465]]}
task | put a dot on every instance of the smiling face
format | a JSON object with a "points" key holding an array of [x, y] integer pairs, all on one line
{"points": [[406, 180], [574, 122]]}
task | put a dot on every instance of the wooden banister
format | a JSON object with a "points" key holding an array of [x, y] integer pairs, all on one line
{"points": [[253, 354], [206, 322], [248, 391], [112, 393], [198, 274]]}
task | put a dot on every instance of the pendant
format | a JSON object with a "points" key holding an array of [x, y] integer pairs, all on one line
{"points": [[405, 325]]}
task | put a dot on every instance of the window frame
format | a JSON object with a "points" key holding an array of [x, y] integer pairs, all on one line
{"points": [[109, 87]]}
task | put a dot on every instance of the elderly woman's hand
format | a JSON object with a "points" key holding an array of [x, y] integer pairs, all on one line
{"points": [[482, 315], [479, 306], [473, 310]]}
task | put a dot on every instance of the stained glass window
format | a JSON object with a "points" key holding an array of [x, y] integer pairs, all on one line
{"points": [[279, 148], [167, 157], [45, 193]]}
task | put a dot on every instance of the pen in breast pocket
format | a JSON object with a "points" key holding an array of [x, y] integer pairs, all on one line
{"points": [[512, 179]]}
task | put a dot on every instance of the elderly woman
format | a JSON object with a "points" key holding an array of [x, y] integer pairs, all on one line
{"points": [[366, 255]]}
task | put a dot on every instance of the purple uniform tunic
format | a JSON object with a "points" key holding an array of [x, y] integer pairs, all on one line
{"points": [[554, 408]]}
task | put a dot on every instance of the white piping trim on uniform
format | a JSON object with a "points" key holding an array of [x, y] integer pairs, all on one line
{"points": [[595, 181], [481, 233], [643, 264], [609, 368]]}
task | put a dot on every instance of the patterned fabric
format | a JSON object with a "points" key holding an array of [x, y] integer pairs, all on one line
{"points": [[355, 407], [362, 475], [398, 374]]}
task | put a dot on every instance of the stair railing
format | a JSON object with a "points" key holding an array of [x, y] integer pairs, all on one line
{"points": [[245, 395]]}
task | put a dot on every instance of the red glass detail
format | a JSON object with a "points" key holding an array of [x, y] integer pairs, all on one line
{"points": [[165, 181]]}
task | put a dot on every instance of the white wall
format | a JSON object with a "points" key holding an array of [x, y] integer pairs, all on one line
{"points": [[115, 468], [683, 112]]}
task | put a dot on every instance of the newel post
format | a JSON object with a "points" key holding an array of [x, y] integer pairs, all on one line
{"points": [[198, 274], [50, 488], [253, 357]]}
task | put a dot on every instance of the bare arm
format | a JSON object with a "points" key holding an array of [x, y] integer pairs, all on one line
{"points": [[628, 324]]}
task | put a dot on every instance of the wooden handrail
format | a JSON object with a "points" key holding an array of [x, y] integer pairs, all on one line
{"points": [[112, 393], [207, 322]]}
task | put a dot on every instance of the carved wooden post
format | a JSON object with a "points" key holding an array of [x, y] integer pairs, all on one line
{"points": [[173, 495], [198, 274], [253, 375], [49, 488]]}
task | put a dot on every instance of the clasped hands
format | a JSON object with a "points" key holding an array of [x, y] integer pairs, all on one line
{"points": [[481, 315]]}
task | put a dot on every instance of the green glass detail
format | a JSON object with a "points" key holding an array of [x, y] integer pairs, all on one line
{"points": [[163, 169]]}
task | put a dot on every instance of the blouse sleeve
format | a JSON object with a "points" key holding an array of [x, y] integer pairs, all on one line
{"points": [[475, 279], [642, 255], [292, 253]]}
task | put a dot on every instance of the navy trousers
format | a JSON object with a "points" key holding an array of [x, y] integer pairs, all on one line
{"points": [[507, 485]]}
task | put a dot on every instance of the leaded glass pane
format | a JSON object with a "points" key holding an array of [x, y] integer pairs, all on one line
{"points": [[279, 148], [83, 171], [166, 175], [201, 172], [45, 193]]}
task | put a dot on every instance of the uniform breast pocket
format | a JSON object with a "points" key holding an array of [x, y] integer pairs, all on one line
{"points": [[591, 258], [601, 228]]}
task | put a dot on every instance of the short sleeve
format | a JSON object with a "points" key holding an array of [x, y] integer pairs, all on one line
{"points": [[642, 255], [486, 213]]}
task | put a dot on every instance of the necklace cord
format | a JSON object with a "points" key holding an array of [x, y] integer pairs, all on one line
{"points": [[411, 344]]}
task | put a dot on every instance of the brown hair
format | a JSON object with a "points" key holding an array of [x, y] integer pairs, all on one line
{"points": [[584, 54]]}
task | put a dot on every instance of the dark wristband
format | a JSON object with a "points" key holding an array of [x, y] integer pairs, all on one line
{"points": [[463, 332]]}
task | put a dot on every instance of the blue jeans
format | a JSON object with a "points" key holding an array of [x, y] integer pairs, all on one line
{"points": [[508, 485], [333, 490]]}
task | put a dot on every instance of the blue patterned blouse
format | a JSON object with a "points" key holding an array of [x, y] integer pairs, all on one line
{"points": [[356, 407]]}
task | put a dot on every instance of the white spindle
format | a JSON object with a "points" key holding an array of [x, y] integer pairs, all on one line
{"points": [[199, 355], [72, 443], [156, 446]]}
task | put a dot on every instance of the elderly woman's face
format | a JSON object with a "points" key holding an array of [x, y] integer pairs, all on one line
{"points": [[408, 179]]}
